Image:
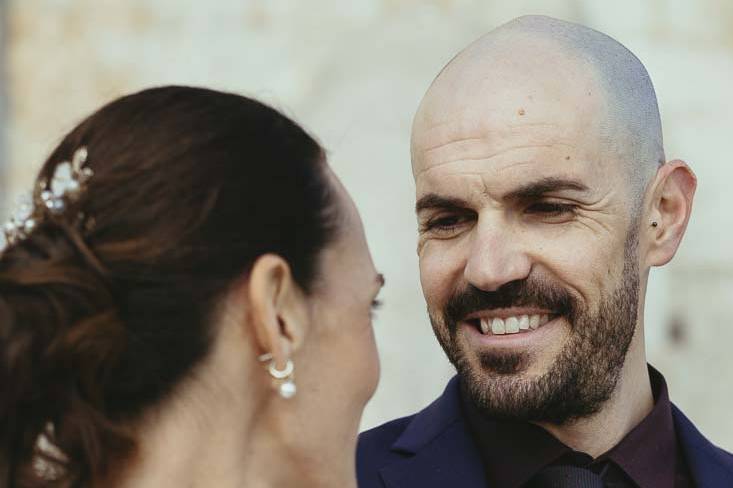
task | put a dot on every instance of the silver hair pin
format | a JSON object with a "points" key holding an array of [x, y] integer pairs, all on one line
{"points": [[65, 186]]}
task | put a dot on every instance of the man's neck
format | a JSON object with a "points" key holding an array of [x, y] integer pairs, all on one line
{"points": [[631, 402]]}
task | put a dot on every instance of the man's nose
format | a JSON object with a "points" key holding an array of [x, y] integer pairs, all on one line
{"points": [[496, 258]]}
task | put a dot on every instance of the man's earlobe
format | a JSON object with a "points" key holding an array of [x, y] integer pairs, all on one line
{"points": [[671, 207]]}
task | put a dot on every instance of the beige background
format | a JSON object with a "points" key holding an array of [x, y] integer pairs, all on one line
{"points": [[353, 72]]}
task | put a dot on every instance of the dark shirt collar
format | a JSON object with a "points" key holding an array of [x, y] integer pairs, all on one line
{"points": [[513, 452], [648, 453]]}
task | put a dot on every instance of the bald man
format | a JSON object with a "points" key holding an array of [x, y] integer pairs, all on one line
{"points": [[543, 199]]}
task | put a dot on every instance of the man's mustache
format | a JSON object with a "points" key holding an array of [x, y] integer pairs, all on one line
{"points": [[521, 293]]}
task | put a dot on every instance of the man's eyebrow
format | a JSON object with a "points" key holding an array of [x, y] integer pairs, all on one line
{"points": [[433, 200], [528, 191], [539, 188]]}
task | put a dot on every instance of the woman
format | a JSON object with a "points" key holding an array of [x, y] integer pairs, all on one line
{"points": [[187, 302]]}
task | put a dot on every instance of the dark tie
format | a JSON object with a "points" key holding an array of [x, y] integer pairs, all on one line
{"points": [[565, 476]]}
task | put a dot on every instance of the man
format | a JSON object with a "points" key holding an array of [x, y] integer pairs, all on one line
{"points": [[543, 199]]}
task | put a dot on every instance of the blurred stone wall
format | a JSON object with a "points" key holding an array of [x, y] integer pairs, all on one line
{"points": [[353, 72], [3, 106]]}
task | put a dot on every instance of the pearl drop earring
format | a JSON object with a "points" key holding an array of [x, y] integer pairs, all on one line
{"points": [[286, 389]]}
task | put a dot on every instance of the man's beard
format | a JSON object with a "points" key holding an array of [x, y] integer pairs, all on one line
{"points": [[583, 375]]}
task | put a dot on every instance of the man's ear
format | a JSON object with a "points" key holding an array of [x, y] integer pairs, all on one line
{"points": [[670, 207], [278, 313]]}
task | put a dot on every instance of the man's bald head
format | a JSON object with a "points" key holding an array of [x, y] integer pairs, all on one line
{"points": [[592, 77]]}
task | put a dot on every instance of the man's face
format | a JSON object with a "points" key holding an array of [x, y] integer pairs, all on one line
{"points": [[528, 242]]}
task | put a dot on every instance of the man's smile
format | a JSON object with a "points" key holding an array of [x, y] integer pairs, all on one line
{"points": [[509, 320], [518, 331]]}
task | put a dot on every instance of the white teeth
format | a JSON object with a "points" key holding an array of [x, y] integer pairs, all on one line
{"points": [[497, 326], [512, 325], [524, 322], [534, 321]]}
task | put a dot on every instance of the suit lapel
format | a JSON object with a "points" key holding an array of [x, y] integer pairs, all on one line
{"points": [[709, 466], [450, 460], [439, 450]]}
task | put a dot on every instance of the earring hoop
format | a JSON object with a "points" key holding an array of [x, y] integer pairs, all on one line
{"points": [[287, 388], [281, 374]]}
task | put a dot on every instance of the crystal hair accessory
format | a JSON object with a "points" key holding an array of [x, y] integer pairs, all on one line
{"points": [[53, 197], [66, 183]]}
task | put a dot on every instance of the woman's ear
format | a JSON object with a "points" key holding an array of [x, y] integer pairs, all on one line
{"points": [[278, 313], [671, 205]]}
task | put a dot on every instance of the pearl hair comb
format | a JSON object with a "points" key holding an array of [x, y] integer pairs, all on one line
{"points": [[52, 198]]}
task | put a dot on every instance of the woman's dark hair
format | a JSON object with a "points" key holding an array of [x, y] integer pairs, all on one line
{"points": [[190, 186]]}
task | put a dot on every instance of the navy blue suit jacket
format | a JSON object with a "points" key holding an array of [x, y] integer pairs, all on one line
{"points": [[433, 449]]}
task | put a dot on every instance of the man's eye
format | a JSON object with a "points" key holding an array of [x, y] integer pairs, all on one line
{"points": [[550, 209], [446, 223]]}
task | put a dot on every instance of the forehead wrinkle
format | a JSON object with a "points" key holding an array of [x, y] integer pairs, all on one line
{"points": [[481, 133], [488, 158], [441, 132], [497, 143], [450, 143], [497, 179], [488, 178]]}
